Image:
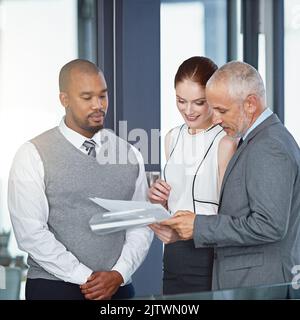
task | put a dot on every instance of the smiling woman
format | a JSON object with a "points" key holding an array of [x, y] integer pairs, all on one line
{"points": [[185, 31], [191, 103], [29, 63], [197, 154]]}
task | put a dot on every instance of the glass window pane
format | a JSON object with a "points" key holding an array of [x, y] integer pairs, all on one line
{"points": [[182, 36], [292, 66], [188, 28], [262, 56], [36, 39], [240, 36]]}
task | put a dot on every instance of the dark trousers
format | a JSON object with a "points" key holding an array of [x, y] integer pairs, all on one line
{"points": [[43, 289], [187, 269]]}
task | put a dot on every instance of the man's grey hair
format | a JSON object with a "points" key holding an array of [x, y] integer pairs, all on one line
{"points": [[242, 80]]}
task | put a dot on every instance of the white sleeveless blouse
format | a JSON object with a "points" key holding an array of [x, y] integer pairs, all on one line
{"points": [[192, 170]]}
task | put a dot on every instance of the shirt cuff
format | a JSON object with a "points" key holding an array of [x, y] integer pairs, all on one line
{"points": [[81, 274], [123, 270]]}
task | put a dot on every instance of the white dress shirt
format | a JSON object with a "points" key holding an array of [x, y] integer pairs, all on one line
{"points": [[29, 213], [264, 115]]}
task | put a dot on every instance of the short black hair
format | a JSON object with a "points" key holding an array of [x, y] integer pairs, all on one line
{"points": [[82, 65]]}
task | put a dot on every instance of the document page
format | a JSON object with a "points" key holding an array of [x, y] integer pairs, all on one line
{"points": [[125, 214]]}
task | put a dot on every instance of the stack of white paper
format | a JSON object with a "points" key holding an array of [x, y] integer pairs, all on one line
{"points": [[125, 214]]}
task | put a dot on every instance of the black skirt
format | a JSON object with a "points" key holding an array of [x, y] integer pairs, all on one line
{"points": [[186, 268]]}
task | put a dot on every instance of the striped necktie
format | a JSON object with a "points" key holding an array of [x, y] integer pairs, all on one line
{"points": [[90, 147]]}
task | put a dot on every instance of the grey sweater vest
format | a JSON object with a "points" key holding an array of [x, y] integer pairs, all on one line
{"points": [[71, 178]]}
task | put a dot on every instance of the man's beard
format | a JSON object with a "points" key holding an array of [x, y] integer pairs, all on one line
{"points": [[95, 129]]}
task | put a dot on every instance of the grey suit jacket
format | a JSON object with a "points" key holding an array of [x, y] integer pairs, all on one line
{"points": [[256, 234]]}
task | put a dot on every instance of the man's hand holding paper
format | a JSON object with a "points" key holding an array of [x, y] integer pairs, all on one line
{"points": [[182, 223]]}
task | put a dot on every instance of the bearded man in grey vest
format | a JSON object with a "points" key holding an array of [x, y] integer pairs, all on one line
{"points": [[50, 183]]}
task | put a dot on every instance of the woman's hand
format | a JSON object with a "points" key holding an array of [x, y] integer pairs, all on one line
{"points": [[159, 192], [164, 233]]}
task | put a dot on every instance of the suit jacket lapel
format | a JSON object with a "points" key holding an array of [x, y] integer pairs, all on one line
{"points": [[273, 119], [231, 165]]}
